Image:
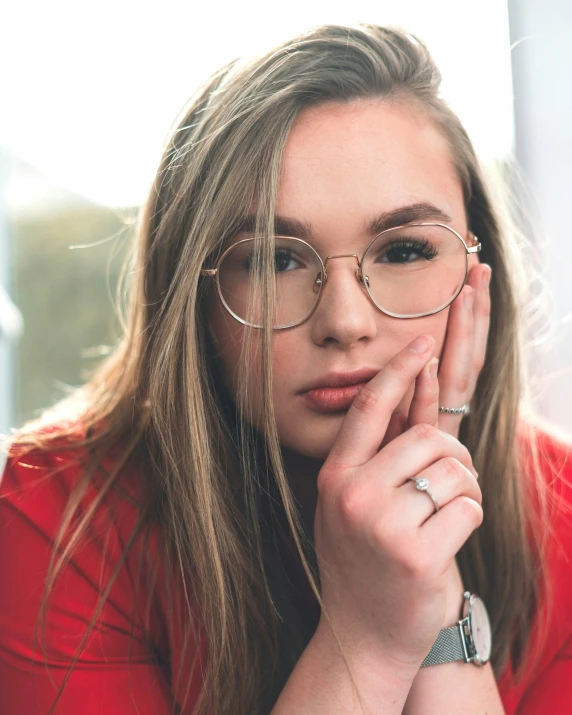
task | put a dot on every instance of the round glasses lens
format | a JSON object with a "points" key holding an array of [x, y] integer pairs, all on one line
{"points": [[415, 270], [293, 281]]}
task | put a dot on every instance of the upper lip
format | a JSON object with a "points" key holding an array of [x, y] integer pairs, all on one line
{"points": [[341, 379]]}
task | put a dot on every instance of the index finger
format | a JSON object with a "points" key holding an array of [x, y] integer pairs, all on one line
{"points": [[366, 422]]}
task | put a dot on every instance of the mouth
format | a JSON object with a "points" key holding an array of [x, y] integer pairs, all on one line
{"points": [[336, 392]]}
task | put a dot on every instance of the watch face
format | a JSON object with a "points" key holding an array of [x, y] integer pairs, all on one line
{"points": [[481, 629]]}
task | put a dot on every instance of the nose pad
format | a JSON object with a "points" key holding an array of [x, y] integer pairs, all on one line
{"points": [[362, 280], [317, 283]]}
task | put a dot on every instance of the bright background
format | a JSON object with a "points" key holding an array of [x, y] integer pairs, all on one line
{"points": [[88, 92], [93, 87]]}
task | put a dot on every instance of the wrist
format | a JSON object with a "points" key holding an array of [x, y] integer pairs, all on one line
{"points": [[455, 599], [454, 608], [364, 656], [322, 682]]}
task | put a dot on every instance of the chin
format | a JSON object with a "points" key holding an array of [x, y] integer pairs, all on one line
{"points": [[313, 440]]}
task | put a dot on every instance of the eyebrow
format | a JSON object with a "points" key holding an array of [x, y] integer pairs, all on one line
{"points": [[287, 226]]}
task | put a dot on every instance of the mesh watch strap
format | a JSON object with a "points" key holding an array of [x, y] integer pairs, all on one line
{"points": [[447, 648]]}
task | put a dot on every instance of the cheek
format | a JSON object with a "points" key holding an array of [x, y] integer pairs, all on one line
{"points": [[289, 354], [228, 336], [435, 325], [439, 330]]}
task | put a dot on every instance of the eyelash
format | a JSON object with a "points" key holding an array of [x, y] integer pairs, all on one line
{"points": [[426, 249], [423, 247]]}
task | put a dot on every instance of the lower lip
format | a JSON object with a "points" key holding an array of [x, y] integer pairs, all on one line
{"points": [[332, 399]]}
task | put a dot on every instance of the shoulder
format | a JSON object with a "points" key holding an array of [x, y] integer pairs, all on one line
{"points": [[44, 497], [546, 459], [547, 471], [37, 485], [554, 444], [107, 578]]}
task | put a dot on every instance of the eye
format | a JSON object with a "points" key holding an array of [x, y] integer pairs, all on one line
{"points": [[284, 260], [406, 250]]}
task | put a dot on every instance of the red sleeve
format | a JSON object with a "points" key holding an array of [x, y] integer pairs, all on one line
{"points": [[549, 688], [124, 667]]}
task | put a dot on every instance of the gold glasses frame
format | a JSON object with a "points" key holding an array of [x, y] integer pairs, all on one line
{"points": [[474, 247]]}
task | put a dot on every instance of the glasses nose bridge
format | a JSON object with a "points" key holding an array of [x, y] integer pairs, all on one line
{"points": [[358, 272], [342, 255]]}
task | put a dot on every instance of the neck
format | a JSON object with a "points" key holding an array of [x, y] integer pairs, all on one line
{"points": [[302, 474]]}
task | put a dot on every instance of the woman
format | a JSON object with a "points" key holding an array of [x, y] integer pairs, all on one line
{"points": [[229, 516]]}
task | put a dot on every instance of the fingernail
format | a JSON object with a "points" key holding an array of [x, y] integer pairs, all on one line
{"points": [[468, 300], [475, 473], [433, 363], [420, 344]]}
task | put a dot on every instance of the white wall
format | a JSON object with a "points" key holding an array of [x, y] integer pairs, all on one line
{"points": [[542, 80], [10, 318]]}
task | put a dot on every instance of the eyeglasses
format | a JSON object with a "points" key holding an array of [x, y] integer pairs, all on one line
{"points": [[409, 271]]}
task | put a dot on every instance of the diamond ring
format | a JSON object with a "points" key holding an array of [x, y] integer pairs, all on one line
{"points": [[422, 484]]}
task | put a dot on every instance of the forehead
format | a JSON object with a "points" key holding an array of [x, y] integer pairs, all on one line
{"points": [[341, 160]]}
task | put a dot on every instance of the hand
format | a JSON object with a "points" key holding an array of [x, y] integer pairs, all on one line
{"points": [[384, 555], [463, 354], [462, 359]]}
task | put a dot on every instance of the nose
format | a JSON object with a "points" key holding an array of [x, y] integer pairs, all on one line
{"points": [[345, 314]]}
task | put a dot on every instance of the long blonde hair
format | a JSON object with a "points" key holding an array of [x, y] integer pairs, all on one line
{"points": [[157, 397]]}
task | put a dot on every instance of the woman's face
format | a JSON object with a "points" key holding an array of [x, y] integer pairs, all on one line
{"points": [[344, 165]]}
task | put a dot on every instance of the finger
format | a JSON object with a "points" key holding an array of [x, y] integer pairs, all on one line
{"points": [[450, 527], [415, 450], [481, 316], [447, 478], [397, 425], [365, 424], [425, 403], [456, 363]]}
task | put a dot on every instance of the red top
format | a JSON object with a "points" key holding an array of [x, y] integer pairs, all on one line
{"points": [[31, 507]]}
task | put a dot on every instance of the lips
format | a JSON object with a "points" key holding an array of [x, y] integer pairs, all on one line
{"points": [[336, 391], [342, 379]]}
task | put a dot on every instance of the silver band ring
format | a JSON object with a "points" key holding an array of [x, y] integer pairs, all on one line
{"points": [[464, 410], [422, 483]]}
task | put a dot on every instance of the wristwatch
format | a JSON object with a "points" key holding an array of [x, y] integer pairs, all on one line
{"points": [[470, 639]]}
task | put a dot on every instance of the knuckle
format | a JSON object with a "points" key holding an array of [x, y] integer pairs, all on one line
{"points": [[388, 533], [367, 400], [425, 431], [399, 366], [417, 563], [351, 506], [463, 383], [452, 467], [470, 510], [477, 491], [465, 455]]}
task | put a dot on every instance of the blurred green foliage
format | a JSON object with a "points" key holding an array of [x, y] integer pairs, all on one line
{"points": [[67, 298]]}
